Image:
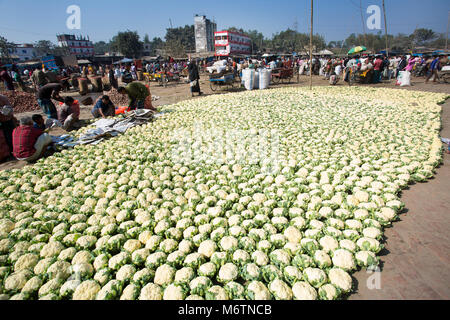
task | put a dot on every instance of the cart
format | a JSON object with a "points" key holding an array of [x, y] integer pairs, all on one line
{"points": [[283, 75], [444, 74], [227, 80]]}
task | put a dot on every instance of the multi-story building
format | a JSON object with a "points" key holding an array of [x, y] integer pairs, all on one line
{"points": [[232, 43], [80, 46], [204, 34], [24, 52]]}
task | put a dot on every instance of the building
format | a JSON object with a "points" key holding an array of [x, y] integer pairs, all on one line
{"points": [[232, 43], [24, 52], [146, 49], [80, 46], [204, 34]]}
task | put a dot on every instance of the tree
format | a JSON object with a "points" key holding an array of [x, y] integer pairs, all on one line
{"points": [[43, 48], [146, 39], [180, 40], [127, 43], [5, 48], [423, 36], [155, 44]]}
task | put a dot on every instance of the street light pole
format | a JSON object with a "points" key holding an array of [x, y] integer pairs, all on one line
{"points": [[446, 38], [310, 47], [385, 30]]}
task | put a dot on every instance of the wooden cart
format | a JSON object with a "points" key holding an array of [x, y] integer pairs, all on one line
{"points": [[283, 75]]}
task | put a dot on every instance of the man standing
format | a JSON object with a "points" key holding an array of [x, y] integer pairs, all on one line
{"points": [[44, 97], [377, 70], [137, 93], [29, 143], [112, 77], [38, 78], [434, 68], [7, 120], [194, 78]]}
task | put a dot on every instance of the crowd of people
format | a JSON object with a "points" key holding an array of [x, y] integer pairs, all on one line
{"points": [[28, 138]]}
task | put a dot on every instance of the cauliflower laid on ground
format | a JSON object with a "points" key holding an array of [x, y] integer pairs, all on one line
{"points": [[87, 290], [151, 291], [303, 291], [164, 275]]}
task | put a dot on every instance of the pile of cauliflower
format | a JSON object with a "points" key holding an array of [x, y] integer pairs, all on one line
{"points": [[274, 194]]}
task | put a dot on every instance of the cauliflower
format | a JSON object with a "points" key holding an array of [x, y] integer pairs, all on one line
{"points": [[260, 258], [328, 292], [174, 292], [328, 243], [292, 274], [280, 290], [51, 249], [27, 261], [340, 279], [32, 285], [164, 275], [207, 248], [82, 257], [228, 243], [131, 292], [228, 272], [200, 285], [51, 287], [303, 291], [216, 293], [68, 288], [292, 234], [87, 290], [151, 291], [132, 245], [207, 269], [366, 258], [125, 273], [184, 275], [315, 276], [59, 270], [343, 259], [256, 290]]}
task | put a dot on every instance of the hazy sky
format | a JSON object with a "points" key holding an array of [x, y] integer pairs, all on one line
{"points": [[32, 20]]}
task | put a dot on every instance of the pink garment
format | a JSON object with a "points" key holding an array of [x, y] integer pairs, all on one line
{"points": [[411, 63]]}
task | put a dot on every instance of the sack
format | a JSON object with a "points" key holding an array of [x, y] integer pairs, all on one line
{"points": [[333, 80], [406, 79], [400, 77], [248, 77]]}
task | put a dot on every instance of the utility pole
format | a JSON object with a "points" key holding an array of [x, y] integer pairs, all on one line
{"points": [[385, 30], [310, 47], [170, 21], [362, 21], [446, 38]]}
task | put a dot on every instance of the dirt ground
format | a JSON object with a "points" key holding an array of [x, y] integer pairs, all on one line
{"points": [[415, 263]]}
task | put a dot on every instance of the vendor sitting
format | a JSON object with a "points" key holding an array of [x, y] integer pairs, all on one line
{"points": [[29, 144], [137, 93], [39, 122], [66, 114], [103, 108]]}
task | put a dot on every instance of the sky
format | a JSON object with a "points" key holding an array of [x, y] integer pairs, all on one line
{"points": [[27, 21]]}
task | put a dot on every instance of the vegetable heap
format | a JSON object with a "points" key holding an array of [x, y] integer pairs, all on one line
{"points": [[274, 194]]}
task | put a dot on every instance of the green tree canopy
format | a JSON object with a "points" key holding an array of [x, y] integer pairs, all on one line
{"points": [[127, 43]]}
